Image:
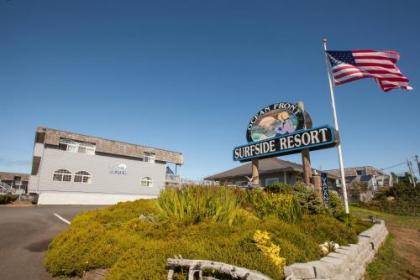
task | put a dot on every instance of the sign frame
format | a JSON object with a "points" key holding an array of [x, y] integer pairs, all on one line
{"points": [[312, 147]]}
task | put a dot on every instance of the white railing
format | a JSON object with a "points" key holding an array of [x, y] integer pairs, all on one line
{"points": [[5, 188], [173, 178]]}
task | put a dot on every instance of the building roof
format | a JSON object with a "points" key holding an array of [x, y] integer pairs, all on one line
{"points": [[352, 171], [10, 176], [266, 166], [52, 137]]}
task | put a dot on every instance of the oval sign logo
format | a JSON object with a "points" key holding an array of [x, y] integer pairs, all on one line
{"points": [[275, 120]]}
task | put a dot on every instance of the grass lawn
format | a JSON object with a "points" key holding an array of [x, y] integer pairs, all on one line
{"points": [[399, 258]]}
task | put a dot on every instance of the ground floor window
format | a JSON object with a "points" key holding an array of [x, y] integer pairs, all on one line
{"points": [[270, 181], [62, 175], [82, 177], [146, 182]]}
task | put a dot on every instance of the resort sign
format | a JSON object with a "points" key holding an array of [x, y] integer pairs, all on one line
{"points": [[312, 139], [279, 129]]}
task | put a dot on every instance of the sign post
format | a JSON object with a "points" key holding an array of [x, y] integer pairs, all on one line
{"points": [[306, 159], [255, 173]]}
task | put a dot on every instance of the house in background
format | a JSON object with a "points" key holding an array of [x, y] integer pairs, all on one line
{"points": [[17, 181], [373, 177], [71, 168], [271, 170]]}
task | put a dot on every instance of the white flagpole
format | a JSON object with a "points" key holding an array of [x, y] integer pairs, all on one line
{"points": [[339, 151]]}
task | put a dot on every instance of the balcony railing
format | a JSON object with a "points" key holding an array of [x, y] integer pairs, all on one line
{"points": [[173, 178]]}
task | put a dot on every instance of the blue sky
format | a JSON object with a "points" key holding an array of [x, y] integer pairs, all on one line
{"points": [[188, 75]]}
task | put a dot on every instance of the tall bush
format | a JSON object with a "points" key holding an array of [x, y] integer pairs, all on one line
{"points": [[7, 198], [194, 204], [309, 201], [284, 206], [337, 206]]}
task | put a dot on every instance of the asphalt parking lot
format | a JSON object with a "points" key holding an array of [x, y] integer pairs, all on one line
{"points": [[25, 233]]}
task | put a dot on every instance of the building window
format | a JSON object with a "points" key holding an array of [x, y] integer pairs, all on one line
{"points": [[270, 181], [62, 175], [77, 147], [149, 157], [146, 182], [82, 177]]}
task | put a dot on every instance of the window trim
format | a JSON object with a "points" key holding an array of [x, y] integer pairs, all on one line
{"points": [[85, 177], [146, 182], [149, 157], [77, 147], [60, 174]]}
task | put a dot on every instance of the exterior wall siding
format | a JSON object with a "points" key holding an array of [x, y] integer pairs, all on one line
{"points": [[52, 137], [100, 167]]}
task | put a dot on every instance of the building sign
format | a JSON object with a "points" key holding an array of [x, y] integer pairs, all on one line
{"points": [[119, 169], [324, 188], [275, 120], [312, 139]]}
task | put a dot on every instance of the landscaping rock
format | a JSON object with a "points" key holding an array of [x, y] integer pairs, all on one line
{"points": [[347, 262]]}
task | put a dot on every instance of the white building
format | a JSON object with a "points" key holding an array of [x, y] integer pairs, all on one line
{"points": [[70, 168]]}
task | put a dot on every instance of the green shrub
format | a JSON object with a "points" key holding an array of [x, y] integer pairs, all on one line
{"points": [[336, 206], [196, 223], [401, 199], [194, 204], [279, 187], [284, 206], [7, 198], [326, 228], [309, 201]]}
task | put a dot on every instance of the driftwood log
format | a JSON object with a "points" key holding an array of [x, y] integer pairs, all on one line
{"points": [[196, 268]]}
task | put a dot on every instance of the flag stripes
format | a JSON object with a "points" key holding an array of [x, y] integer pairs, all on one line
{"points": [[348, 66]]}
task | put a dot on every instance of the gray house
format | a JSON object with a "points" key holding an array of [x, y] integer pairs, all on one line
{"points": [[16, 181], [71, 168], [373, 177], [271, 170]]}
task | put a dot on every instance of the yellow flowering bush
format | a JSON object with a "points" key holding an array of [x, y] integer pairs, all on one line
{"points": [[268, 248]]}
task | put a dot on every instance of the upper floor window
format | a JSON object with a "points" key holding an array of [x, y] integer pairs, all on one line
{"points": [[83, 177], [146, 182], [149, 157], [77, 147], [62, 175]]}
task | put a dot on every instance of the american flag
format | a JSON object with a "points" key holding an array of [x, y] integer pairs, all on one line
{"points": [[348, 66]]}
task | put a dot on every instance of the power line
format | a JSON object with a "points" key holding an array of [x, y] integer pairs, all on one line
{"points": [[401, 163], [396, 165]]}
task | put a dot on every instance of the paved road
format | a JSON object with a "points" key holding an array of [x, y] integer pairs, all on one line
{"points": [[25, 233]]}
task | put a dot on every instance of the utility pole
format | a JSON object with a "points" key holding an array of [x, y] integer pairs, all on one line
{"points": [[418, 163], [410, 169]]}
